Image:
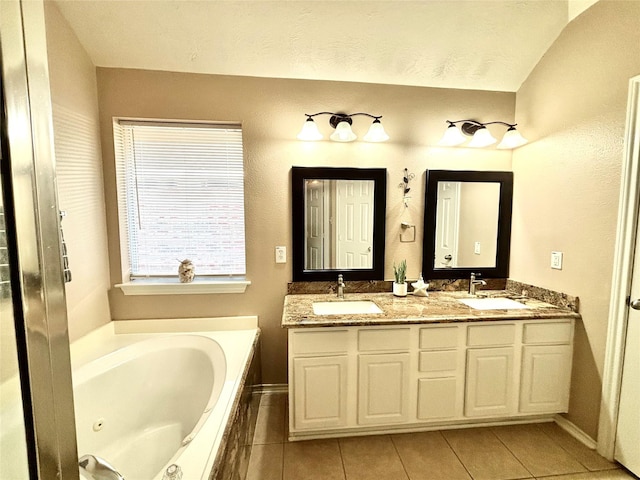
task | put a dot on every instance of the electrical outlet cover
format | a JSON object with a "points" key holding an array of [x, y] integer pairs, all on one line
{"points": [[556, 260], [281, 254]]}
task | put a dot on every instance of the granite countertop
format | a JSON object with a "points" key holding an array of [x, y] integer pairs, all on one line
{"points": [[438, 307]]}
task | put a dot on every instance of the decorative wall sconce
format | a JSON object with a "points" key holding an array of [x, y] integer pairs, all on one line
{"points": [[481, 137], [342, 124], [406, 178]]}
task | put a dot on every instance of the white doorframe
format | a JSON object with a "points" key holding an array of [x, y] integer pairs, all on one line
{"points": [[622, 275]]}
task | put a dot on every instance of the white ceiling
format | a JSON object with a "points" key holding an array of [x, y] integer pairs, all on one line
{"points": [[469, 44]]}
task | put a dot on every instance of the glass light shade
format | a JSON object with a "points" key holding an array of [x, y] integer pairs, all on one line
{"points": [[512, 139], [376, 133], [309, 132], [452, 137], [343, 133], [482, 138]]}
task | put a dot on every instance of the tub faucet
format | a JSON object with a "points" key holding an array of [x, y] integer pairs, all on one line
{"points": [[341, 286], [98, 468], [473, 283]]}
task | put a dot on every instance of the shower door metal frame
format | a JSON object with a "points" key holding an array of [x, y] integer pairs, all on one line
{"points": [[36, 268]]}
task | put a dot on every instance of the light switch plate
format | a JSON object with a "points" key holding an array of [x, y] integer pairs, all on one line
{"points": [[556, 260], [281, 254], [476, 248]]}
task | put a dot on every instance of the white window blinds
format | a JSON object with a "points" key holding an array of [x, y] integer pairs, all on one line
{"points": [[181, 196]]}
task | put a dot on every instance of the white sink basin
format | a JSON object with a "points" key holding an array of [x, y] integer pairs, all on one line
{"points": [[492, 303], [345, 308]]}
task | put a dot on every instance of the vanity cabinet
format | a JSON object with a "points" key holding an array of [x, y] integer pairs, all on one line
{"points": [[546, 367], [321, 392], [319, 368], [383, 388], [357, 379], [489, 382], [490, 370]]}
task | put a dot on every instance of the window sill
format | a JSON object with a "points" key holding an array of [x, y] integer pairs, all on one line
{"points": [[172, 286]]}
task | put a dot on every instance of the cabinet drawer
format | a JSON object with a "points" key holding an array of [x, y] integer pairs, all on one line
{"points": [[547, 332], [438, 337], [439, 361], [383, 339], [324, 341], [485, 335]]}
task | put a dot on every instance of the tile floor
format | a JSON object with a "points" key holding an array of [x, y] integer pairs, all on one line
{"points": [[540, 451]]}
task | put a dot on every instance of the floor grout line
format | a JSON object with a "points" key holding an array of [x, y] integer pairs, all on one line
{"points": [[344, 469], [564, 449], [282, 470], [531, 475], [395, 447], [456, 454], [567, 451]]}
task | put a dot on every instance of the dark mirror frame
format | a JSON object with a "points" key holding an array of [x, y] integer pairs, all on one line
{"points": [[298, 176], [501, 270]]}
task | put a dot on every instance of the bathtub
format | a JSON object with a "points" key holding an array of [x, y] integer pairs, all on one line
{"points": [[149, 394]]}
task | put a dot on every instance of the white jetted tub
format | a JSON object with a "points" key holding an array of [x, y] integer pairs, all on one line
{"points": [[144, 401]]}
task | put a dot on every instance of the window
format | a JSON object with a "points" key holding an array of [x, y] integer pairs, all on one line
{"points": [[180, 195]]}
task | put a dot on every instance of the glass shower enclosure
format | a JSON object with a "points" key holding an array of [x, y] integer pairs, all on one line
{"points": [[36, 410]]}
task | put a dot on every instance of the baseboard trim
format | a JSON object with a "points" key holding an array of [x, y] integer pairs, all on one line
{"points": [[415, 428], [575, 431], [272, 388]]}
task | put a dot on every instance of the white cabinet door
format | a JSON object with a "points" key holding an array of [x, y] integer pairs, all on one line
{"points": [[383, 388], [546, 374], [437, 398], [490, 382], [320, 392]]}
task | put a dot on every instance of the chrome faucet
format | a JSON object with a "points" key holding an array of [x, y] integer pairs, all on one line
{"points": [[473, 283], [341, 286], [98, 468]]}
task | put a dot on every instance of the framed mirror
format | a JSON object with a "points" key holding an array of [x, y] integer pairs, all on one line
{"points": [[467, 224], [338, 223]]}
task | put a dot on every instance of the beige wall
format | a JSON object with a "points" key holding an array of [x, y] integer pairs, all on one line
{"points": [[79, 174], [567, 179], [272, 112], [572, 107]]}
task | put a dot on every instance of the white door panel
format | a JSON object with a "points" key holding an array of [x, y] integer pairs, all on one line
{"points": [[354, 215], [447, 217], [627, 450]]}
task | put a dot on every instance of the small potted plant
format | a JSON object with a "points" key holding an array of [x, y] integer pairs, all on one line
{"points": [[400, 283]]}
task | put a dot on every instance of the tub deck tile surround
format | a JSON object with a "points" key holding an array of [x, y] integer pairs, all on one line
{"points": [[232, 459], [438, 307]]}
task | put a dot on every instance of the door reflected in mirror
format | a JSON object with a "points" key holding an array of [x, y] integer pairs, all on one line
{"points": [[338, 223], [467, 224], [339, 216]]}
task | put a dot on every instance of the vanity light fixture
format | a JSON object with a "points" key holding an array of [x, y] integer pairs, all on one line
{"points": [[342, 124], [481, 137]]}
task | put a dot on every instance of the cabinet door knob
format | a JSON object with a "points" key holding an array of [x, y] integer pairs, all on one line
{"points": [[635, 304]]}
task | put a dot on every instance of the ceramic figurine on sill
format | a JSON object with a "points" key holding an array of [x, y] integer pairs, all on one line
{"points": [[186, 271], [420, 288]]}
